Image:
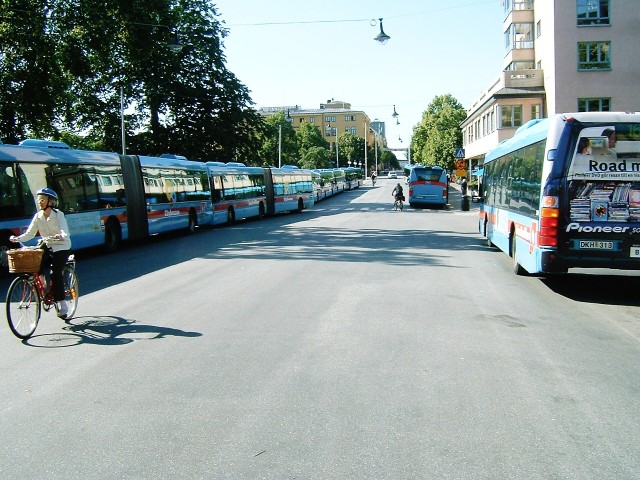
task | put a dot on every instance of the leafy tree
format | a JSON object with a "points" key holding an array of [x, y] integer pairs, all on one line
{"points": [[309, 136], [315, 157], [388, 161], [31, 80], [66, 64], [351, 147], [278, 138], [438, 134]]}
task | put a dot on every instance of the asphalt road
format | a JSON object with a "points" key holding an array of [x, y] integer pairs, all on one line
{"points": [[345, 342]]}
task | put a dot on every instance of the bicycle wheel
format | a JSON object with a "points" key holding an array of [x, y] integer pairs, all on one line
{"points": [[401, 205], [23, 307], [71, 291]]}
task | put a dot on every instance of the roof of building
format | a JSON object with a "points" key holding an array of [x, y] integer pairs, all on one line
{"points": [[519, 91]]}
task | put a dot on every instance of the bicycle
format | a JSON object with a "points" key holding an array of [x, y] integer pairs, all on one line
{"points": [[27, 296], [399, 203]]}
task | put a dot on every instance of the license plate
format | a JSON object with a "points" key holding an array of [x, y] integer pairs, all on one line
{"points": [[595, 245], [635, 252]]}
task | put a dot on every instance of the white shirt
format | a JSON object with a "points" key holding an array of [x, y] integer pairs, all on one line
{"points": [[54, 224]]}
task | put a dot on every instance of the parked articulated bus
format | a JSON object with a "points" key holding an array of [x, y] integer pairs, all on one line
{"points": [[564, 192], [106, 197]]}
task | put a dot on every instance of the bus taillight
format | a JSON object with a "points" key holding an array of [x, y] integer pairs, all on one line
{"points": [[548, 234], [411, 191]]}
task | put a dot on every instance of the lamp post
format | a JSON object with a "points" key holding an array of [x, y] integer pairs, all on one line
{"points": [[279, 146], [337, 162], [329, 131]]}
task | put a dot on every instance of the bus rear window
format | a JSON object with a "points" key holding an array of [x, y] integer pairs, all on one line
{"points": [[428, 174]]}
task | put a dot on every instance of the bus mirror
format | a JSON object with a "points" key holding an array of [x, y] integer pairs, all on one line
{"points": [[551, 156]]}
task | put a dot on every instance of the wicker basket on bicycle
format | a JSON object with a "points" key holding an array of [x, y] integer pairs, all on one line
{"points": [[24, 260]]}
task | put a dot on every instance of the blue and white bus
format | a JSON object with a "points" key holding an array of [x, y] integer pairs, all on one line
{"points": [[106, 197], [288, 189], [237, 192], [564, 192], [428, 185]]}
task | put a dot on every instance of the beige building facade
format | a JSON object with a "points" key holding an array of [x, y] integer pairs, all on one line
{"points": [[560, 56], [333, 118]]}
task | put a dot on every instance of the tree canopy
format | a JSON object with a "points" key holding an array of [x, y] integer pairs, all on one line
{"points": [[438, 134], [65, 66]]}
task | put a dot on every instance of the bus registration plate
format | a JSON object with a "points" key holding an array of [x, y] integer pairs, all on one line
{"points": [[635, 251], [595, 245]]}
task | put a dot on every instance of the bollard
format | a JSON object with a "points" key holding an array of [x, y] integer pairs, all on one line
{"points": [[465, 203]]}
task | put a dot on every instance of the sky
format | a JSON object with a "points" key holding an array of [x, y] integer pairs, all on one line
{"points": [[305, 52]]}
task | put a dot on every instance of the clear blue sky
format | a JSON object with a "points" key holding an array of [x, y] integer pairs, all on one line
{"points": [[305, 52]]}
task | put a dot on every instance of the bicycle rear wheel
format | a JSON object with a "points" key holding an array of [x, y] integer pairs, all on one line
{"points": [[71, 290], [23, 307]]}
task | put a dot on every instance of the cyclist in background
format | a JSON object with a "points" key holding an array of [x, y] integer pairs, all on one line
{"points": [[373, 177], [397, 193], [52, 226]]}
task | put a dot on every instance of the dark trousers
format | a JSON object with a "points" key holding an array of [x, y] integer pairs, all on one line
{"points": [[57, 261]]}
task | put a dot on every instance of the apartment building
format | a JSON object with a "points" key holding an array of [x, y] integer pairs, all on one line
{"points": [[560, 56], [333, 118]]}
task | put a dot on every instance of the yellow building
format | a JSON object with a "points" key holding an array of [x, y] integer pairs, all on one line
{"points": [[333, 118]]}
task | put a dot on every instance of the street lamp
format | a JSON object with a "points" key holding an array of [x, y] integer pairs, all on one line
{"points": [[381, 37]]}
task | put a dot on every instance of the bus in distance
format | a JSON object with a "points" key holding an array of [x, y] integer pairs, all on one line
{"points": [[428, 185], [564, 192]]}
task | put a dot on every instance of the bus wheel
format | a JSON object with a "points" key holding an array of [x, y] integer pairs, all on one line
{"points": [[261, 212], [517, 268], [112, 236], [231, 216], [193, 221]]}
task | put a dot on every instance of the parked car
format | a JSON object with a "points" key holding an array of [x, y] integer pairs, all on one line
{"points": [[392, 175]]}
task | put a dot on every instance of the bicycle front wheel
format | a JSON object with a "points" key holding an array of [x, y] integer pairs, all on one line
{"points": [[71, 291], [23, 307]]}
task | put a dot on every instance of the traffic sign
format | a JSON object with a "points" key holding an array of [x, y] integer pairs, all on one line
{"points": [[459, 152]]}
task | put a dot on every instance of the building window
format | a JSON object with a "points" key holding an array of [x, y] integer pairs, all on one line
{"points": [[330, 118], [350, 130], [312, 119], [349, 118], [593, 12], [301, 120], [594, 56], [510, 116], [521, 65], [519, 36], [594, 104], [536, 111], [510, 5], [331, 131]]}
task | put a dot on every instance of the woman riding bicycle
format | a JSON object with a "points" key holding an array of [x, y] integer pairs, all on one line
{"points": [[52, 226]]}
